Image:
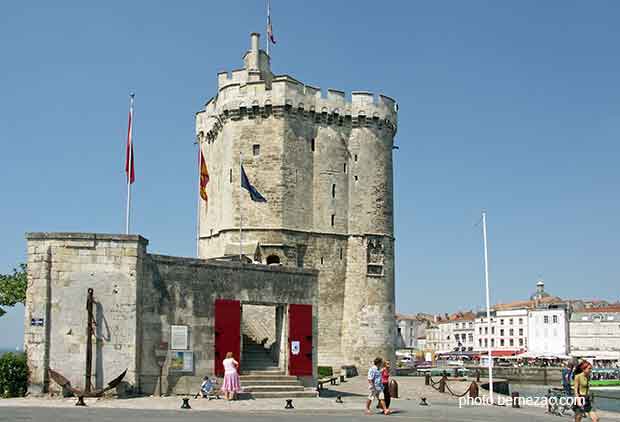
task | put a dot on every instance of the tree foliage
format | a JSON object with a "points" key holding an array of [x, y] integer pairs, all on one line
{"points": [[13, 375], [13, 288]]}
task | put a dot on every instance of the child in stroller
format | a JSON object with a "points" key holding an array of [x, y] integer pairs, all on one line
{"points": [[208, 388]]}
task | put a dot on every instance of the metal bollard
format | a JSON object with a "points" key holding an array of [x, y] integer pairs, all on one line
{"points": [[515, 399], [473, 390], [185, 404], [427, 379], [289, 404], [442, 384]]}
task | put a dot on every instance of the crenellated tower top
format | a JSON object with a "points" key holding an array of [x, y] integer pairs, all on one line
{"points": [[254, 88]]}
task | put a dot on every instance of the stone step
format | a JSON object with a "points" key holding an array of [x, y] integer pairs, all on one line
{"points": [[257, 357], [258, 365], [272, 388], [255, 352], [269, 382], [268, 371], [282, 395], [270, 377], [245, 358]]}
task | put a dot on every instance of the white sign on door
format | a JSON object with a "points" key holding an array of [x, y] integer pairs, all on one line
{"points": [[295, 347]]}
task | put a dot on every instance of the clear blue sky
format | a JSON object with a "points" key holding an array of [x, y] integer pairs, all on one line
{"points": [[509, 106]]}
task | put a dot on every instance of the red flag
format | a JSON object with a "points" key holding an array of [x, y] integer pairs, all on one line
{"points": [[129, 157], [204, 177], [269, 28]]}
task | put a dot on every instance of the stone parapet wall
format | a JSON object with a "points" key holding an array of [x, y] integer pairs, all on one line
{"points": [[61, 267]]}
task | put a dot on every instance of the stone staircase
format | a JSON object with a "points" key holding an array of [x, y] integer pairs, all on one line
{"points": [[262, 378]]}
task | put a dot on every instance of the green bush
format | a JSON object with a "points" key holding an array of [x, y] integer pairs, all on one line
{"points": [[13, 375], [325, 371]]}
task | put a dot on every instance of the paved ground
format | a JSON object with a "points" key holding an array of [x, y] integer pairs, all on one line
{"points": [[150, 409], [432, 413]]}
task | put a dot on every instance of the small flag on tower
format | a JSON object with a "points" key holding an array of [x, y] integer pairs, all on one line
{"points": [[129, 157], [204, 178], [269, 28], [245, 183]]}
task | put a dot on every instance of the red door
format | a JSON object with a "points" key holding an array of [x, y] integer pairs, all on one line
{"points": [[227, 331], [300, 340]]}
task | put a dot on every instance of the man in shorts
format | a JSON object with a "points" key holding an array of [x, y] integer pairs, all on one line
{"points": [[375, 387]]}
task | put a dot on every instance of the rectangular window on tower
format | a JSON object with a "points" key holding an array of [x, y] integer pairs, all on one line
{"points": [[345, 168], [333, 190], [312, 145], [333, 219], [256, 150], [230, 176]]}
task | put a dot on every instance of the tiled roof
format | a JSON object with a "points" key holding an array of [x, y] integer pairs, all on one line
{"points": [[519, 304], [602, 309]]}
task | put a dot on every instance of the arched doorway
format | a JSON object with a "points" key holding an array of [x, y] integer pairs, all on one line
{"points": [[273, 260]]}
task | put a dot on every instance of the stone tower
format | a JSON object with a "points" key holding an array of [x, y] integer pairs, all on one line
{"points": [[324, 164]]}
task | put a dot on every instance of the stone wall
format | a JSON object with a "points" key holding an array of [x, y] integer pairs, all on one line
{"points": [[138, 296], [182, 291], [61, 267]]}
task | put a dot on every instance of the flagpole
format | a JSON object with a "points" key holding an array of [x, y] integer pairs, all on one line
{"points": [[240, 210], [486, 282], [198, 200], [130, 172], [268, 17]]}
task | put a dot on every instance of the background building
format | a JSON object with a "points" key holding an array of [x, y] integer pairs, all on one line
{"points": [[548, 331], [508, 332], [595, 334], [411, 328]]}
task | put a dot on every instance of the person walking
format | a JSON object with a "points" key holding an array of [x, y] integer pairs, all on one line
{"points": [[231, 385], [583, 401], [385, 380], [567, 376], [375, 387]]}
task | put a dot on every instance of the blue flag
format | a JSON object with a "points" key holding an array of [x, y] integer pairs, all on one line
{"points": [[245, 183]]}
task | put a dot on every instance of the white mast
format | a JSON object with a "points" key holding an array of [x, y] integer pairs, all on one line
{"points": [[486, 281]]}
